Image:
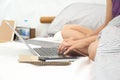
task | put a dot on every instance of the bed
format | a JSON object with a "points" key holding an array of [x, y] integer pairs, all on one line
{"points": [[81, 69], [11, 69]]}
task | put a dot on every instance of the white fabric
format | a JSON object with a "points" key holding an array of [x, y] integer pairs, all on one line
{"points": [[58, 36], [84, 14], [108, 52], [11, 69]]}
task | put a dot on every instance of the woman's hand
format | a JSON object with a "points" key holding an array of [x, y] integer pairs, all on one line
{"points": [[78, 46], [64, 45]]}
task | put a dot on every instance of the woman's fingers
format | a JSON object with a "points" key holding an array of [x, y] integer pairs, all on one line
{"points": [[63, 46], [75, 50], [66, 47], [66, 52]]}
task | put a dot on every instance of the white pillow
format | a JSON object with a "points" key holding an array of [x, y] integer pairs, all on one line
{"points": [[58, 36], [84, 14]]}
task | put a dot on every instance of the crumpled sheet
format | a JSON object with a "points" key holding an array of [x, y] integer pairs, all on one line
{"points": [[10, 69]]}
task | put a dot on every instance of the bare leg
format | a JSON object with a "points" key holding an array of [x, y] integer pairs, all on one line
{"points": [[92, 50], [75, 32]]}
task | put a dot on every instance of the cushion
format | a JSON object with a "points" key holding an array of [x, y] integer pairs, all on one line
{"points": [[85, 14]]}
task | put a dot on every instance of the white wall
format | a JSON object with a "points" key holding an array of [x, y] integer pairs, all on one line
{"points": [[19, 10]]}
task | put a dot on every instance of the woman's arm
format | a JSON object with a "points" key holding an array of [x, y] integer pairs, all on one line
{"points": [[108, 17]]}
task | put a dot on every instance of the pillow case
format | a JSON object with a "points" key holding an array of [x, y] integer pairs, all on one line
{"points": [[84, 14]]}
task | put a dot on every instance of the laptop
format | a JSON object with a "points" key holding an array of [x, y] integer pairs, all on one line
{"points": [[44, 53]]}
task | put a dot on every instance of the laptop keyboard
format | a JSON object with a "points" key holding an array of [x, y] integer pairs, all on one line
{"points": [[43, 43], [47, 51]]}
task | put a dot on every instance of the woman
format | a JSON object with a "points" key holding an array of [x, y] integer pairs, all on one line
{"points": [[83, 40]]}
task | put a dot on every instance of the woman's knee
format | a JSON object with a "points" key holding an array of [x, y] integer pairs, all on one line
{"points": [[77, 28], [74, 31], [68, 31], [67, 27], [92, 49]]}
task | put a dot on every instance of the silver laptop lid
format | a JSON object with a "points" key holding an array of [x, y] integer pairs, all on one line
{"points": [[11, 27]]}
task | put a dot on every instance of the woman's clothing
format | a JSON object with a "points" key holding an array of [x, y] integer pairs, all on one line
{"points": [[107, 60], [115, 8]]}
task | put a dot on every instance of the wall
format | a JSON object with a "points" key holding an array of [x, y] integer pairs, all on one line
{"points": [[19, 10]]}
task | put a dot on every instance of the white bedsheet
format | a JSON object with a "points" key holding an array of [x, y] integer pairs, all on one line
{"points": [[11, 69]]}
